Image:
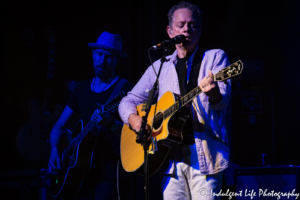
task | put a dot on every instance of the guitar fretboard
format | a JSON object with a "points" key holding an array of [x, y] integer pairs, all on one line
{"points": [[84, 131], [182, 102], [177, 105], [224, 74]]}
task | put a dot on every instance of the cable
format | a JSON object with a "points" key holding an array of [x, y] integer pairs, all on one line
{"points": [[118, 179], [151, 61]]}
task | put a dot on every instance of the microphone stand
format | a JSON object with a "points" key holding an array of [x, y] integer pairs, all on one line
{"points": [[143, 135]]}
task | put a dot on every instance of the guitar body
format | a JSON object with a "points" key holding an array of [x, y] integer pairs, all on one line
{"points": [[168, 133], [77, 157], [76, 161]]}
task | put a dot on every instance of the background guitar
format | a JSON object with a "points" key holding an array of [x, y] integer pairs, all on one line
{"points": [[77, 154]]}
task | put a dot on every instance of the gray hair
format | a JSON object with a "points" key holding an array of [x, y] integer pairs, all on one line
{"points": [[185, 4]]}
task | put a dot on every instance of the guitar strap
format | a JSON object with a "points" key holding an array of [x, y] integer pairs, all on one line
{"points": [[188, 132], [118, 87], [114, 93], [182, 150], [194, 74]]}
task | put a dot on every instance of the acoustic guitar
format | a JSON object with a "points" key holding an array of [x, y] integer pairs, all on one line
{"points": [[166, 123], [77, 158]]}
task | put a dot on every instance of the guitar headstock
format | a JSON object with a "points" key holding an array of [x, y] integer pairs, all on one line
{"points": [[112, 103], [232, 70]]}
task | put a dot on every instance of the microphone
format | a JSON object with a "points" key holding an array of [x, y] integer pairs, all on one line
{"points": [[166, 43]]}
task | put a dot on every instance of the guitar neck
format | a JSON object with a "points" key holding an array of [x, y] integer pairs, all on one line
{"points": [[224, 74], [182, 102], [108, 107], [84, 131]]}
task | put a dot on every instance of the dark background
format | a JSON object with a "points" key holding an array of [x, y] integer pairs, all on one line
{"points": [[265, 35]]}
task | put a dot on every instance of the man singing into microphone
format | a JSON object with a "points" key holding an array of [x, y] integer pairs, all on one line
{"points": [[194, 168]]}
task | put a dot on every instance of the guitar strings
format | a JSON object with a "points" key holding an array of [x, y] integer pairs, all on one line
{"points": [[160, 115], [196, 92]]}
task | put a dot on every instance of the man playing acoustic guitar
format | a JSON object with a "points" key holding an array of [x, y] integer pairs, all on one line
{"points": [[107, 53], [195, 167]]}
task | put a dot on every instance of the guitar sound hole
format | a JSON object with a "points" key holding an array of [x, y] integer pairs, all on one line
{"points": [[158, 120]]}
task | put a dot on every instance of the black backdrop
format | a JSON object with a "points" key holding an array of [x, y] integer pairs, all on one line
{"points": [[263, 34]]}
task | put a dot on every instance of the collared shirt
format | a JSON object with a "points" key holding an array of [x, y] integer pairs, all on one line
{"points": [[211, 142]]}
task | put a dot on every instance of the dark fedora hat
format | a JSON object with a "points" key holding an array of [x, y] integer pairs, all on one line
{"points": [[109, 42]]}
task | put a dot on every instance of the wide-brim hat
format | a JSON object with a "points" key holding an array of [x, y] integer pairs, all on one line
{"points": [[109, 42]]}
